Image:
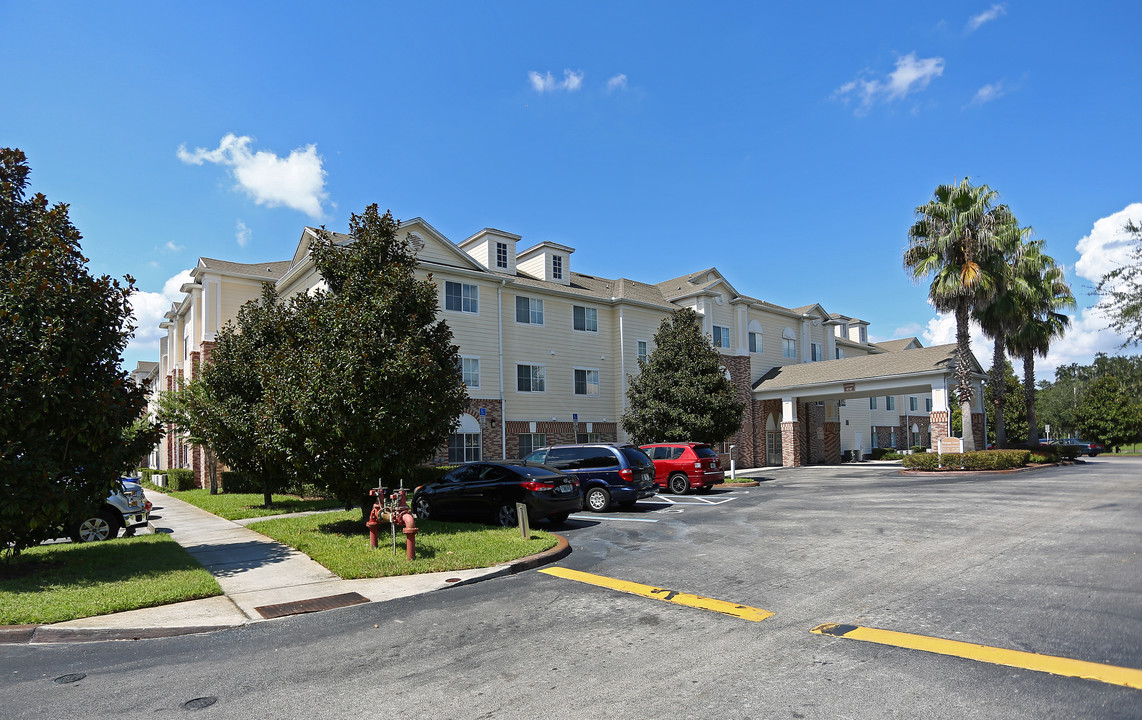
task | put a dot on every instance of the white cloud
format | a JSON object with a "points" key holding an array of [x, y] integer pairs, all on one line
{"points": [[148, 309], [989, 92], [297, 181], [618, 82], [572, 81], [911, 75], [986, 16], [172, 247], [242, 235], [1107, 246]]}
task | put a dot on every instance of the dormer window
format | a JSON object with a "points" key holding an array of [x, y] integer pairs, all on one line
{"points": [[556, 267], [501, 255]]}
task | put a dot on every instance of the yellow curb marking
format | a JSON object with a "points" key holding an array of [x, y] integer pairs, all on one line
{"points": [[726, 608], [1112, 674]]}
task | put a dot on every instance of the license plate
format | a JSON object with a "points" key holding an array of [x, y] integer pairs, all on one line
{"points": [[563, 488]]}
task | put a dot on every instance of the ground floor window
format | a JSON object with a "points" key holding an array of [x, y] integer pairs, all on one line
{"points": [[588, 437], [463, 447], [875, 439], [530, 442], [892, 437]]}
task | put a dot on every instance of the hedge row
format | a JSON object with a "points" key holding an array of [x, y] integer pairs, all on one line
{"points": [[179, 479], [979, 460]]}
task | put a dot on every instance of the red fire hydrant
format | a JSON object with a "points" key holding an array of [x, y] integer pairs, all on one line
{"points": [[397, 513]]}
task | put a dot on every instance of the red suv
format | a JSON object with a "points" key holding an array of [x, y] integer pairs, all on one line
{"points": [[681, 466]]}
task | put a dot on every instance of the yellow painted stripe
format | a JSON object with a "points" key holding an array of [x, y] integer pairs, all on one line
{"points": [[1112, 674], [697, 601]]}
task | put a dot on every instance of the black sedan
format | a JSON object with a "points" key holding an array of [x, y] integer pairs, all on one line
{"points": [[487, 490]]}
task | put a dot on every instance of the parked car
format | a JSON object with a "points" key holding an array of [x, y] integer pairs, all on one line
{"points": [[679, 467], [1085, 448], [126, 508], [607, 472], [488, 490]]}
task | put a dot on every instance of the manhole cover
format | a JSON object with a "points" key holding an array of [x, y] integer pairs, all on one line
{"points": [[65, 679], [199, 703]]}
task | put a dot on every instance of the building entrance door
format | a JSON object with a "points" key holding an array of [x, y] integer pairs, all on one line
{"points": [[772, 442]]}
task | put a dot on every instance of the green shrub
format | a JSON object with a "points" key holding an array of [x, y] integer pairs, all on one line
{"points": [[234, 481], [145, 475], [918, 448], [879, 453], [892, 456], [425, 474], [1068, 452], [179, 479], [979, 460]]}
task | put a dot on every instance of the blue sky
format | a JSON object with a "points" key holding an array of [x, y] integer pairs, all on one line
{"points": [[787, 146]]}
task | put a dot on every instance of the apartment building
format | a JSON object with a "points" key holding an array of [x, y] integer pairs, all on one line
{"points": [[546, 352]]}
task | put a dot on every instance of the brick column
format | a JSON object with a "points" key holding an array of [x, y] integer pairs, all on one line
{"points": [[791, 444], [938, 424], [832, 443]]}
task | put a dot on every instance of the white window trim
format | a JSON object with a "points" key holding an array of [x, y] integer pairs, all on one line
{"points": [[636, 342], [816, 351], [724, 331], [788, 334], [759, 342], [515, 384], [598, 382], [479, 370], [507, 255], [585, 309], [557, 273], [530, 299], [462, 286]]}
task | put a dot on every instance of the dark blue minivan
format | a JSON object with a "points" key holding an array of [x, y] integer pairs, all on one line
{"points": [[607, 472]]}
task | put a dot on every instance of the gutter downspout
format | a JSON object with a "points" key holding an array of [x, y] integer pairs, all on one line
{"points": [[503, 401], [622, 369]]}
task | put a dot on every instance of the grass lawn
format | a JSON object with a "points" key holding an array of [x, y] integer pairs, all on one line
{"points": [[340, 542], [239, 506], [66, 581]]}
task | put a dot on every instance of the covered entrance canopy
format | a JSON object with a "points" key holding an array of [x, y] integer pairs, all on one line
{"points": [[918, 370]]}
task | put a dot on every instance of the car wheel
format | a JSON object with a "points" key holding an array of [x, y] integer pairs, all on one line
{"points": [[558, 518], [679, 484], [597, 499], [507, 516], [96, 528], [422, 508]]}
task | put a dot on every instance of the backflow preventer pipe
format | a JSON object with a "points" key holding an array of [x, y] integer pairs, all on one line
{"points": [[395, 512]]}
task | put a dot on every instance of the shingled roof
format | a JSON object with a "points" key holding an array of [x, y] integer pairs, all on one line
{"points": [[268, 270], [919, 360]]}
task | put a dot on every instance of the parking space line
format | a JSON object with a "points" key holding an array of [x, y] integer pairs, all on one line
{"points": [[609, 517], [696, 601], [702, 502], [1111, 674]]}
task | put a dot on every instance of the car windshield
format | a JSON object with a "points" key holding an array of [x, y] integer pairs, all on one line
{"points": [[705, 451]]}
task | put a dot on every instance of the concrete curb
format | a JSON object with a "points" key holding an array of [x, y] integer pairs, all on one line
{"points": [[50, 634], [1009, 471]]}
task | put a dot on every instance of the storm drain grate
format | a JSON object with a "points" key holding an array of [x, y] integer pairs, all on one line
{"points": [[314, 605]]}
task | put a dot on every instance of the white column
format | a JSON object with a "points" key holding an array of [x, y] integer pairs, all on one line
{"points": [[788, 409]]}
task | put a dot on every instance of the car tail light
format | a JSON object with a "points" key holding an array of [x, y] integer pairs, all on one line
{"points": [[626, 474], [534, 485]]}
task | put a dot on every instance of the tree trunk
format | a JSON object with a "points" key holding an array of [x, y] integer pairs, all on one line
{"points": [[999, 392], [963, 375], [1029, 394]]}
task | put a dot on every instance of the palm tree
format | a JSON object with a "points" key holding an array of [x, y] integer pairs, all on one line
{"points": [[954, 239], [1001, 316], [1042, 320]]}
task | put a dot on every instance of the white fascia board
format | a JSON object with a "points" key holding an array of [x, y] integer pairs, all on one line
{"points": [[920, 382]]}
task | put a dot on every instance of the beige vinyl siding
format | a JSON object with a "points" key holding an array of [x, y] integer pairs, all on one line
{"points": [[482, 252], [856, 417], [536, 266], [477, 335], [235, 294], [772, 325], [433, 250]]}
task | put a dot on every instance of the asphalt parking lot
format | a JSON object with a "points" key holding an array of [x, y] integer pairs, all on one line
{"points": [[709, 612]]}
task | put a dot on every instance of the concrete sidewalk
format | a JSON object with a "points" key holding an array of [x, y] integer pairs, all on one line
{"points": [[261, 579]]}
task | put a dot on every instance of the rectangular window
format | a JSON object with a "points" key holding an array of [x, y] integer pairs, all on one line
{"points": [[789, 348], [891, 437], [912, 404], [586, 382], [840, 354], [185, 347], [501, 255], [721, 336], [463, 447], [528, 310], [927, 404], [556, 267], [470, 367], [872, 403], [585, 319], [591, 437], [875, 438], [530, 378], [863, 335], [890, 404], [643, 349], [461, 297], [815, 352], [755, 342], [530, 442]]}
